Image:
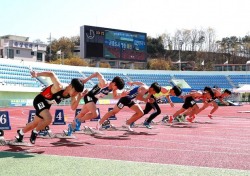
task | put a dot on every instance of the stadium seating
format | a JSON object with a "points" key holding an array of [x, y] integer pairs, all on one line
{"points": [[64, 76], [200, 81], [240, 79], [148, 79], [16, 75]]}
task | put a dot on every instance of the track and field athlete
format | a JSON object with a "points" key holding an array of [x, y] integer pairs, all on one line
{"points": [[141, 93], [100, 90], [53, 94]]}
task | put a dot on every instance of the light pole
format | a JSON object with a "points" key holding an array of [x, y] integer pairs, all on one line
{"points": [[180, 46], [247, 63], [49, 40]]}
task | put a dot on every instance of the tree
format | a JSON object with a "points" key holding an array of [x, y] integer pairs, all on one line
{"points": [[167, 42], [155, 47], [158, 64], [194, 39], [75, 61], [65, 45], [104, 65], [211, 39], [75, 40]]}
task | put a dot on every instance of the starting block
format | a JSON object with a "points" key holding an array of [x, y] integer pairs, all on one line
{"points": [[243, 111], [77, 112], [32, 114], [14, 143], [182, 125], [4, 120], [113, 117], [59, 117], [50, 135], [98, 116]]}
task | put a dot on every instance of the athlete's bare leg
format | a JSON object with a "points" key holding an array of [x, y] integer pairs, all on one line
{"points": [[114, 111], [32, 125], [215, 107], [138, 114], [46, 121]]}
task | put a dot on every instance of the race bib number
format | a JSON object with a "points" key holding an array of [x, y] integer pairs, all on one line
{"points": [[89, 98], [120, 105], [40, 105]]}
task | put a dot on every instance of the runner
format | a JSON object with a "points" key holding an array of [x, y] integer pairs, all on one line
{"points": [[52, 94], [174, 91], [218, 94], [100, 90], [139, 93], [190, 105]]}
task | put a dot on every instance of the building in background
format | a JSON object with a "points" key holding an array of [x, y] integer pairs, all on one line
{"points": [[19, 48]]}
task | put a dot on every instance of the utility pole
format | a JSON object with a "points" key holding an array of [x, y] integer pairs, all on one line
{"points": [[180, 46], [49, 40]]}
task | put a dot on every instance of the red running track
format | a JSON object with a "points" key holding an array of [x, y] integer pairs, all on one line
{"points": [[223, 142]]}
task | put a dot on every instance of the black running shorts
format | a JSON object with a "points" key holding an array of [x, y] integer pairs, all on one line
{"points": [[88, 98], [40, 104], [125, 101], [189, 102]]}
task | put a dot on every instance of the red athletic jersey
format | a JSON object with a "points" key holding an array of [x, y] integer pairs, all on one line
{"points": [[46, 93], [49, 96]]}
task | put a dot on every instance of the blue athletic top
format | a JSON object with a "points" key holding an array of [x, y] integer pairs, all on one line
{"points": [[133, 93]]}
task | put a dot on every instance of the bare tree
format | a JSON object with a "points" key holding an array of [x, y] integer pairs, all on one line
{"points": [[210, 33], [186, 38], [201, 39], [167, 42], [194, 38], [177, 38]]}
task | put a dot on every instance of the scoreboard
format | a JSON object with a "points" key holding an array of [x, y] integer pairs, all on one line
{"points": [[99, 42]]}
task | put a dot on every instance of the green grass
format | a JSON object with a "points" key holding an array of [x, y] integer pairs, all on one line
{"points": [[22, 164]]}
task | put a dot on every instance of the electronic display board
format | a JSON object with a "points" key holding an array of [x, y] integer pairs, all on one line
{"points": [[114, 44]]}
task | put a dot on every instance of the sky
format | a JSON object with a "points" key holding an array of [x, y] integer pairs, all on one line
{"points": [[37, 19]]}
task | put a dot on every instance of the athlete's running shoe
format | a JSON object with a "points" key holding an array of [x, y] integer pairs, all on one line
{"points": [[70, 130], [146, 124], [88, 130], [210, 116], [165, 119], [106, 124], [127, 127], [33, 137], [170, 120], [132, 125], [78, 124], [19, 137], [190, 119], [180, 118]]}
